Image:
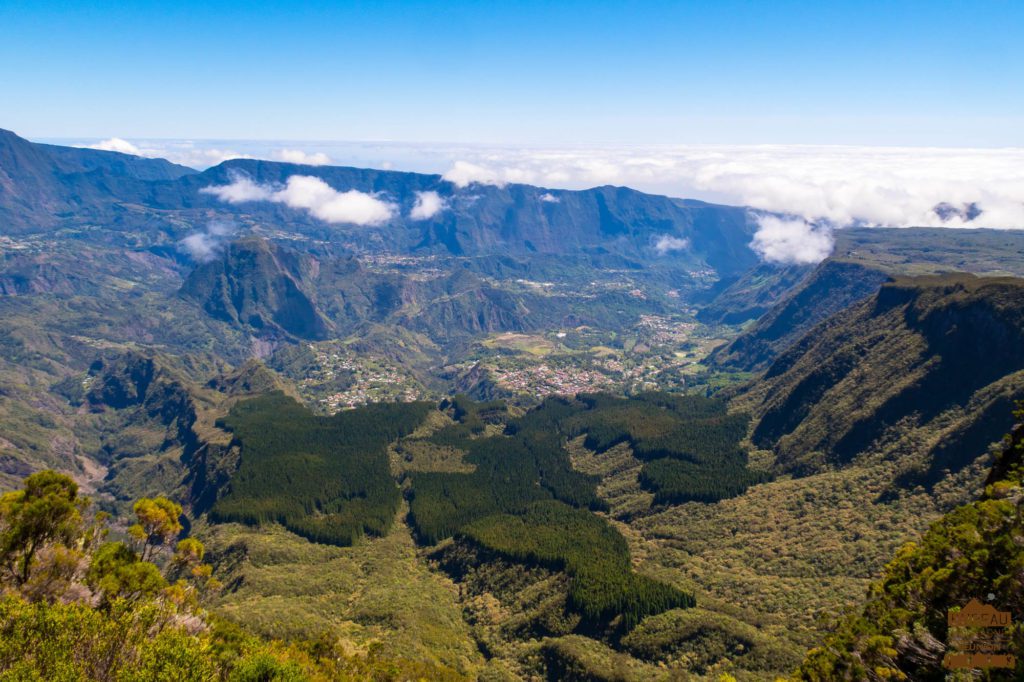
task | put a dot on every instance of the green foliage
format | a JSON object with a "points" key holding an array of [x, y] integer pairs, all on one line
{"points": [[833, 286], [970, 553], [691, 443], [263, 666], [159, 523], [475, 415], [927, 368], [144, 629], [525, 501], [705, 639], [116, 572], [660, 425], [555, 535], [575, 658], [142, 641], [528, 464], [40, 641], [379, 596], [47, 511], [675, 480], [471, 420], [325, 478]]}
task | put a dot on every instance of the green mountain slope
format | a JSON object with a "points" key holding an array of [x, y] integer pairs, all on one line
{"points": [[44, 188], [260, 287], [281, 295], [924, 371], [325, 478], [863, 258], [752, 294], [972, 553], [833, 286]]}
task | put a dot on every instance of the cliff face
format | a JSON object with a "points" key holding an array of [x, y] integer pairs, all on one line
{"points": [[146, 397], [484, 219], [258, 285], [753, 294], [45, 187], [936, 360], [42, 184], [832, 287]]}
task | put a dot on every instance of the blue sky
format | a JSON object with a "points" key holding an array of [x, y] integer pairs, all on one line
{"points": [[864, 73]]}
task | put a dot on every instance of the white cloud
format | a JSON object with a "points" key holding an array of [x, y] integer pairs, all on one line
{"points": [[550, 198], [428, 204], [206, 245], [312, 194], [789, 240], [241, 189], [326, 203], [464, 174], [493, 169], [667, 243], [200, 246], [301, 157], [116, 144]]}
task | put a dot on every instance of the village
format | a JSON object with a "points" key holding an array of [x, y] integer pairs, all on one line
{"points": [[342, 380]]}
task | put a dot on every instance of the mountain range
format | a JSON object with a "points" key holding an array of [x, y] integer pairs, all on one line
{"points": [[43, 187], [739, 447]]}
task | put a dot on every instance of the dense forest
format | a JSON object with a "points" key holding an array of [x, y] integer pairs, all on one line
{"points": [[558, 536], [690, 443], [325, 478], [524, 493], [525, 464]]}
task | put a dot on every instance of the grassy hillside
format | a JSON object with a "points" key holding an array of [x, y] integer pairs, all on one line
{"points": [[751, 295], [519, 500], [376, 598], [78, 606]]}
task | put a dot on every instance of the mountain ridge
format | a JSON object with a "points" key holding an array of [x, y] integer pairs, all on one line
{"points": [[925, 355], [124, 193]]}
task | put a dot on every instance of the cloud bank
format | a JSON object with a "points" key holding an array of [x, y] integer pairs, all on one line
{"points": [[428, 205], [872, 186], [463, 174], [183, 152], [311, 194], [845, 185], [791, 240], [826, 187]]}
